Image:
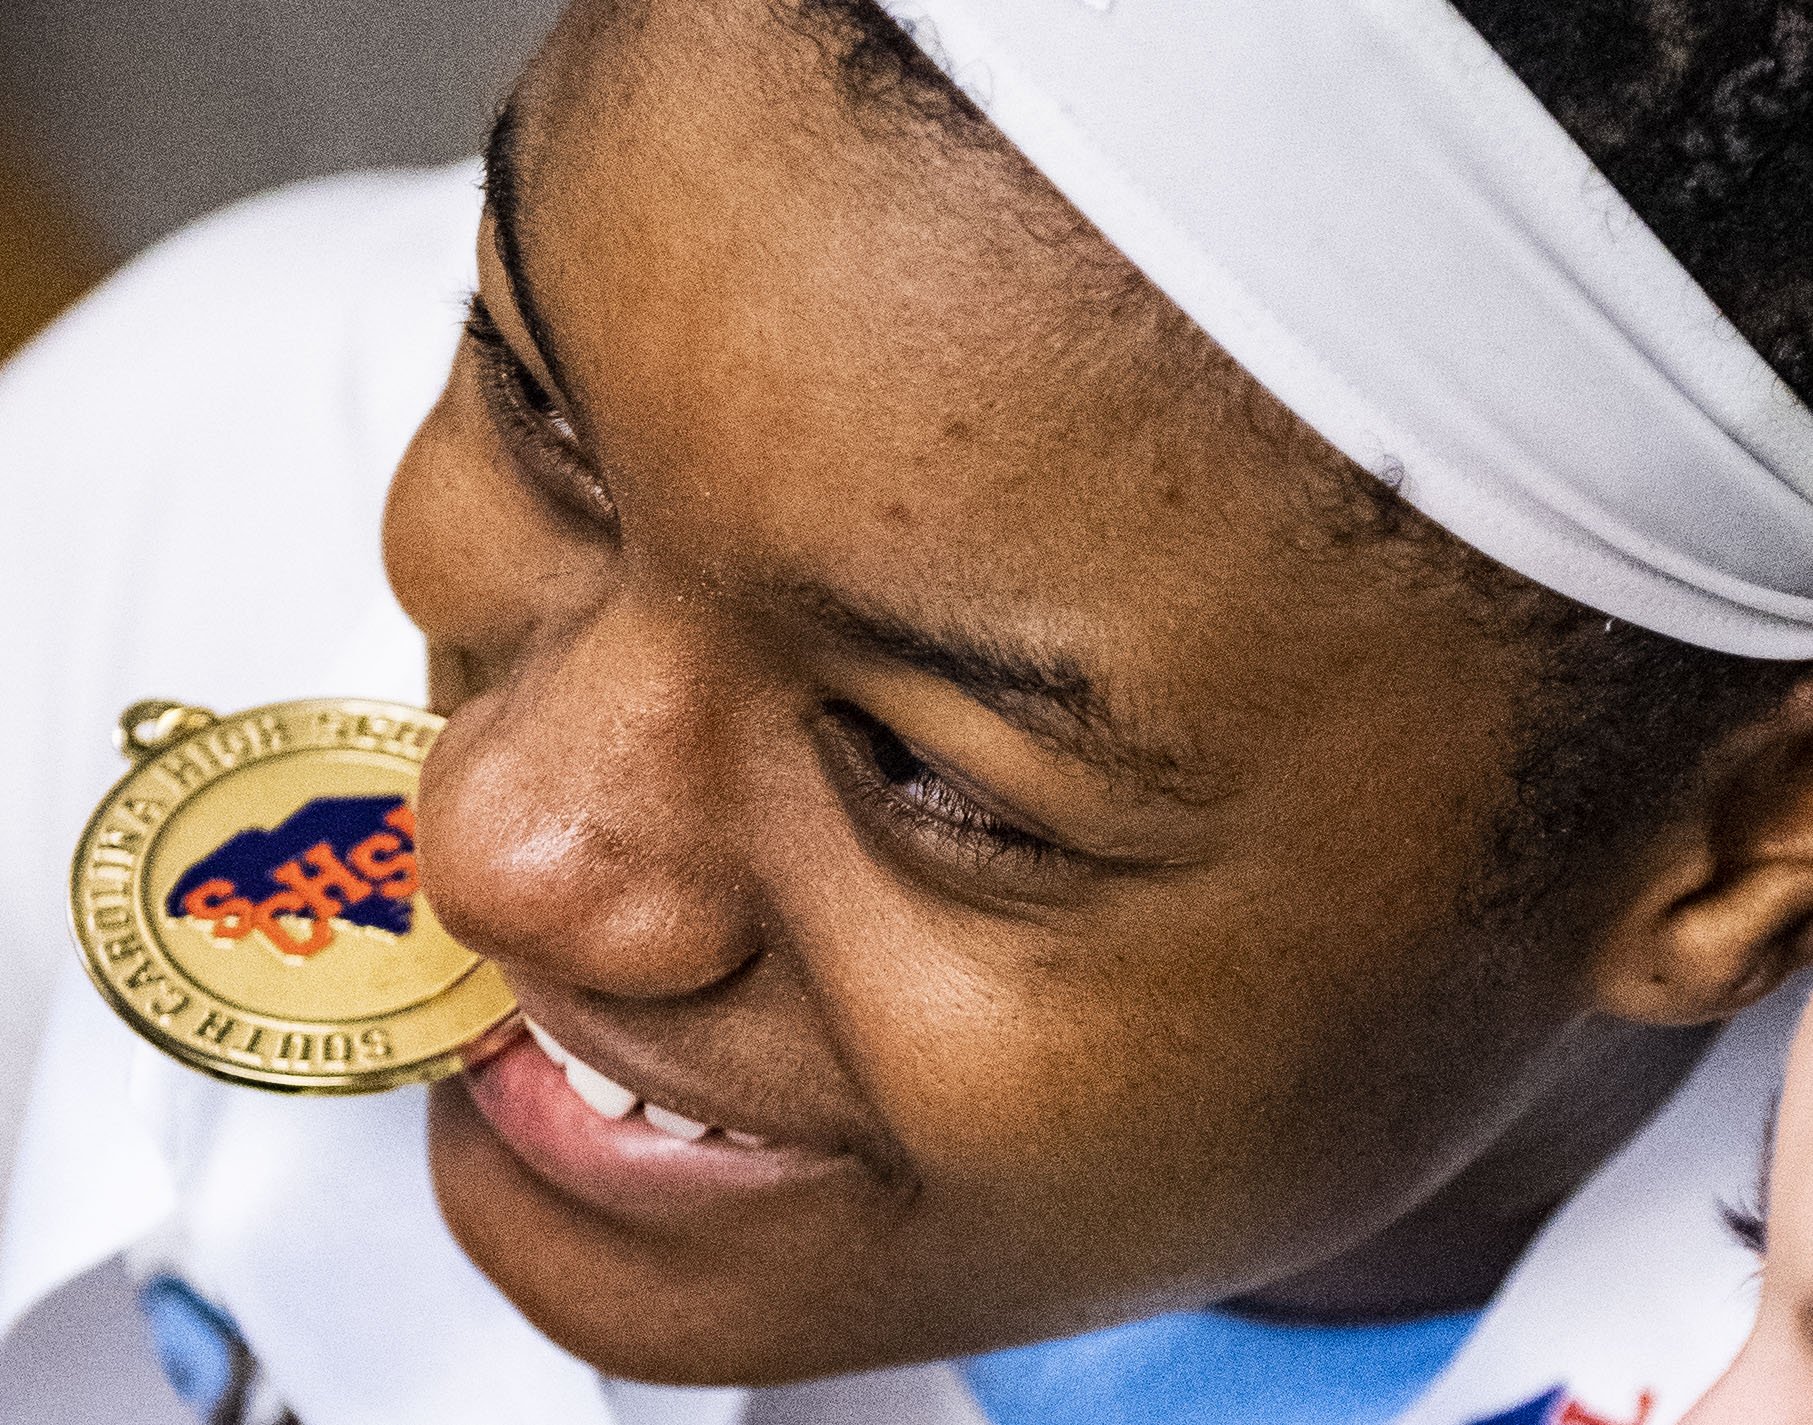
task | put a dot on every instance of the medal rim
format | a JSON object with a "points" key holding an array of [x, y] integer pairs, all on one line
{"points": [[428, 1069]]}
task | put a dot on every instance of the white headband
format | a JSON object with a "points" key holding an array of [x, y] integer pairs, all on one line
{"points": [[1368, 211]]}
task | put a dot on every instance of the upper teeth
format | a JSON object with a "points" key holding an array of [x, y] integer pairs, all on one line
{"points": [[610, 1098], [603, 1095]]}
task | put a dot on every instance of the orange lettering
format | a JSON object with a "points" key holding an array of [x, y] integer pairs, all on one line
{"points": [[264, 916], [382, 861], [218, 901], [330, 873]]}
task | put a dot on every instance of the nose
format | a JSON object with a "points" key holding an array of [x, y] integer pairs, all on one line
{"points": [[579, 816]]}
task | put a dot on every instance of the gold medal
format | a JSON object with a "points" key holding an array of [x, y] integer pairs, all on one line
{"points": [[246, 897]]}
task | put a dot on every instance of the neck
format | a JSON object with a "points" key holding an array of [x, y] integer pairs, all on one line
{"points": [[1451, 1253]]}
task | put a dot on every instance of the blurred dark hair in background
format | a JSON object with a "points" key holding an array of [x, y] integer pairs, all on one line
{"points": [[46, 255], [120, 120]]}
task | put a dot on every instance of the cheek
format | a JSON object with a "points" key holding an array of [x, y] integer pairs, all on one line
{"points": [[1176, 1097], [470, 551], [436, 565]]}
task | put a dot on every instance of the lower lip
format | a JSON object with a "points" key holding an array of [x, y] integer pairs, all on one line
{"points": [[624, 1166]]}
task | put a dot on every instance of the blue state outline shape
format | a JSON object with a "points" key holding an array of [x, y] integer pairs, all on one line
{"points": [[247, 859]]}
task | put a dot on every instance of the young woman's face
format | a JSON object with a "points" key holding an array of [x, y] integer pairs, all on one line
{"points": [[1771, 1382], [899, 713]]}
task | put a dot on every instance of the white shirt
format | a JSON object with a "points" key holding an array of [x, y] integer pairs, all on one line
{"points": [[193, 465]]}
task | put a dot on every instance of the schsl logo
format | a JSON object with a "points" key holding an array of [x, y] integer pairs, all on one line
{"points": [[349, 859]]}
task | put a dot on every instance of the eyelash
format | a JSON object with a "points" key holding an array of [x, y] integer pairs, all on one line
{"points": [[888, 775], [891, 777], [531, 419]]}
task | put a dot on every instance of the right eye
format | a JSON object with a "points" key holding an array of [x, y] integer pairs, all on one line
{"points": [[532, 424], [935, 824]]}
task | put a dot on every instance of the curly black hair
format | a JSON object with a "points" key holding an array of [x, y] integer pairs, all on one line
{"points": [[1700, 112]]}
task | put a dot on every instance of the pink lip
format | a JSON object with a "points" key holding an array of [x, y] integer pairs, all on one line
{"points": [[624, 1167]]}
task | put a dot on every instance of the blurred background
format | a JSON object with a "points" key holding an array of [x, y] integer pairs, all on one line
{"points": [[120, 121]]}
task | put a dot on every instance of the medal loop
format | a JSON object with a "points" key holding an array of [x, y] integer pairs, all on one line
{"points": [[152, 725]]}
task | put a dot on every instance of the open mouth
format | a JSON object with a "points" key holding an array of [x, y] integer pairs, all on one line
{"points": [[610, 1099], [606, 1146]]}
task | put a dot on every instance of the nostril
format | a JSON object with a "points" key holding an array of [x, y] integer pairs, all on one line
{"points": [[502, 863], [516, 871], [575, 822]]}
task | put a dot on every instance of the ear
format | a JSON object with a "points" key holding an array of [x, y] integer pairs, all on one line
{"points": [[1723, 906]]}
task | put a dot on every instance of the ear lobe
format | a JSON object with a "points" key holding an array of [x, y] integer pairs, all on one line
{"points": [[1726, 912], [1730, 946]]}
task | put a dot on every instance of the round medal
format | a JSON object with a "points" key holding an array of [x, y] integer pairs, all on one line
{"points": [[246, 897]]}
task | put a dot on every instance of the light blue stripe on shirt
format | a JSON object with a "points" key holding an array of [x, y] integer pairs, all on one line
{"points": [[1200, 1368]]}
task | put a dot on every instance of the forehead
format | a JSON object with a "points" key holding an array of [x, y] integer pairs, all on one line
{"points": [[821, 342]]}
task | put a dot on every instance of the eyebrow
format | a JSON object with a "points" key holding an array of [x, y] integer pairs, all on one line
{"points": [[1045, 692], [503, 196]]}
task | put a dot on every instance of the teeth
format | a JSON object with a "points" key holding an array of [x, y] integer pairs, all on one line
{"points": [[602, 1095], [670, 1122], [612, 1100], [547, 1043]]}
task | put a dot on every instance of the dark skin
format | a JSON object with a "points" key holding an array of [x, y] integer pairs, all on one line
{"points": [[898, 694]]}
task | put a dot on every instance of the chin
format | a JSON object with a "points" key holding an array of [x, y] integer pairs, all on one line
{"points": [[638, 1306]]}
